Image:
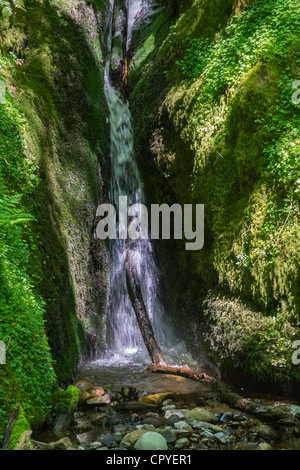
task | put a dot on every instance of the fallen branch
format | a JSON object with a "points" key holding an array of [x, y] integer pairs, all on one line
{"points": [[135, 294], [181, 371]]}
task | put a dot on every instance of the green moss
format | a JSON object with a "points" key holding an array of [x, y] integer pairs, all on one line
{"points": [[65, 401], [19, 426], [53, 136], [225, 135]]}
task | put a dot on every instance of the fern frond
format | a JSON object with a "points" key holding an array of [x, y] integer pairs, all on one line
{"points": [[10, 214]]}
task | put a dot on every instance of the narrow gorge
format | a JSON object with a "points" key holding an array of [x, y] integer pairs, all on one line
{"points": [[134, 342]]}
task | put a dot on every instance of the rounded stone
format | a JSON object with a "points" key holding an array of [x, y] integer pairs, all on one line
{"points": [[201, 414], [151, 441]]}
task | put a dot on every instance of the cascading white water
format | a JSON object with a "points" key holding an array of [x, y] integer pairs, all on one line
{"points": [[124, 342], [124, 334]]}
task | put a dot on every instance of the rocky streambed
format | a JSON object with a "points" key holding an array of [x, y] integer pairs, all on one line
{"points": [[211, 418]]}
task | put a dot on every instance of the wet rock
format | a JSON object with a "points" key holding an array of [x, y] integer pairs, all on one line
{"points": [[95, 444], [177, 412], [84, 386], [129, 393], [173, 419], [99, 401], [201, 414], [153, 421], [202, 425], [133, 436], [266, 432], [97, 392], [182, 443], [84, 396], [183, 427], [111, 440], [223, 438], [120, 428], [248, 423], [209, 443], [168, 434], [168, 402], [206, 434], [263, 446], [156, 399], [24, 441], [148, 427], [230, 416], [151, 441], [201, 446], [168, 407]]}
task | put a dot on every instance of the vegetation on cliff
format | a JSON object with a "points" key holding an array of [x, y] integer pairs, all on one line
{"points": [[53, 137], [219, 115]]}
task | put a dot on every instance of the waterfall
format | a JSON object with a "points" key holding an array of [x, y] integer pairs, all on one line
{"points": [[124, 339]]}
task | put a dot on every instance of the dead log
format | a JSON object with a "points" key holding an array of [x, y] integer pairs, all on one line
{"points": [[181, 371], [12, 417], [159, 364], [135, 294]]}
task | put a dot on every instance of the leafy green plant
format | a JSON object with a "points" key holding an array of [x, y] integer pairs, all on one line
{"points": [[65, 401], [7, 7], [10, 212], [196, 58]]}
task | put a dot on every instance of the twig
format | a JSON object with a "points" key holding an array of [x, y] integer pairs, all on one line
{"points": [[12, 153], [9, 341], [246, 231], [5, 160]]}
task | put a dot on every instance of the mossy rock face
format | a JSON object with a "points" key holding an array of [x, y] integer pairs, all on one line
{"points": [[219, 138], [55, 142]]}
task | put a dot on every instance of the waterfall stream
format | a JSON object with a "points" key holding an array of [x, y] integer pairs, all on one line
{"points": [[124, 340]]}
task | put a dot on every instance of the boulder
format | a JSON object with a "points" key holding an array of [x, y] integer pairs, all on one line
{"points": [[201, 414], [97, 392], [84, 386], [151, 441]]}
